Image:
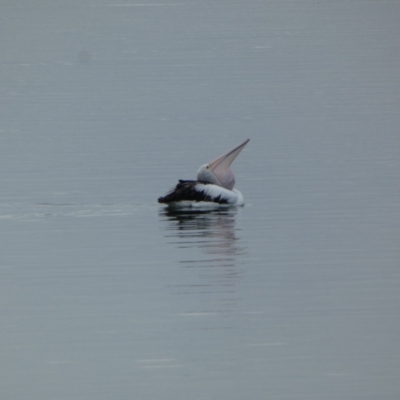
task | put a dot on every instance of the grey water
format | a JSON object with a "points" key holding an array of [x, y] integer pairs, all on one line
{"points": [[105, 294]]}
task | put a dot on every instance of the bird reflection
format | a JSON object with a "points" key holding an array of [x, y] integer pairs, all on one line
{"points": [[208, 243], [213, 231]]}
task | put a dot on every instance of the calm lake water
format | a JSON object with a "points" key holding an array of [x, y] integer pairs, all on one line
{"points": [[104, 294]]}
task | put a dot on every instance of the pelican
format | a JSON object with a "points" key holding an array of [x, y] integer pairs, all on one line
{"points": [[214, 184]]}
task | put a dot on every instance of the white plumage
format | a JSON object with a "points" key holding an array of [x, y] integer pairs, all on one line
{"points": [[232, 197]]}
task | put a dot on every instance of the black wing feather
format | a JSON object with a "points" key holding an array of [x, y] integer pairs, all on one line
{"points": [[186, 191]]}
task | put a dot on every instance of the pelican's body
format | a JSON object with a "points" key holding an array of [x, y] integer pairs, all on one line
{"points": [[214, 185]]}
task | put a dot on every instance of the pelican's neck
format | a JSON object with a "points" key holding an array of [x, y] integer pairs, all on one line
{"points": [[204, 174]]}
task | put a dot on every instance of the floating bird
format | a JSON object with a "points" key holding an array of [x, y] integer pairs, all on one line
{"points": [[214, 184]]}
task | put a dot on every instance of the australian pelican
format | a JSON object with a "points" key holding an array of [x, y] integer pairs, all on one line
{"points": [[214, 184]]}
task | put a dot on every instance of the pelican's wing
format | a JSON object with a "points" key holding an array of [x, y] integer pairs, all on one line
{"points": [[197, 191]]}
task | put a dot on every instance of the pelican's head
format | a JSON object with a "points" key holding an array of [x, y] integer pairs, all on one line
{"points": [[218, 171]]}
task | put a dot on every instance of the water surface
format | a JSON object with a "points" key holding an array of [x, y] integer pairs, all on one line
{"points": [[106, 294]]}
